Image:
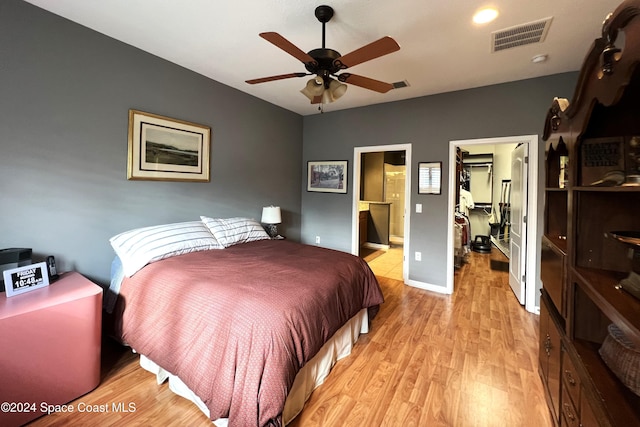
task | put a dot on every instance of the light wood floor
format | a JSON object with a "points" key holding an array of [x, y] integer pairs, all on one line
{"points": [[469, 359]]}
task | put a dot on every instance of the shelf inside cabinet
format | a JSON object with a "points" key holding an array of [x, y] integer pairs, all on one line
{"points": [[599, 213], [617, 305], [616, 189], [560, 242], [555, 213], [622, 405], [557, 164]]}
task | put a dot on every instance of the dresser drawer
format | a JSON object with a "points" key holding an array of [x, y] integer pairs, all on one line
{"points": [[570, 378], [569, 413]]}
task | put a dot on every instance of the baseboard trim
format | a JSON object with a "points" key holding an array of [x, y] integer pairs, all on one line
{"points": [[428, 286], [379, 246]]}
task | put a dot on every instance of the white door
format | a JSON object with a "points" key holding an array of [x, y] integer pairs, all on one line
{"points": [[517, 229]]}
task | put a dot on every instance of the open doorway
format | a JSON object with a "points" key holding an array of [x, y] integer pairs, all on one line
{"points": [[491, 165], [381, 197]]}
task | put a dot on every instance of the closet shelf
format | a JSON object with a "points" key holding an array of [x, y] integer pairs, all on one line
{"points": [[482, 206], [502, 245]]}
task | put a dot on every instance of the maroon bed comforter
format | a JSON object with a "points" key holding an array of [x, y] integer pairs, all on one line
{"points": [[237, 324]]}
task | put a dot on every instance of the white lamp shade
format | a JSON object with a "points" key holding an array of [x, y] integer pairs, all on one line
{"points": [[313, 88], [327, 97], [337, 89], [271, 215]]}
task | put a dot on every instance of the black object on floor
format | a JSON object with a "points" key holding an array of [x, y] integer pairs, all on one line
{"points": [[499, 265], [481, 244]]}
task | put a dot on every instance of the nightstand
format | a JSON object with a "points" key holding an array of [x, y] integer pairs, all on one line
{"points": [[49, 346]]}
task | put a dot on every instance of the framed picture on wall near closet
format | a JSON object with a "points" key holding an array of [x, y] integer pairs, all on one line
{"points": [[327, 176], [430, 178]]}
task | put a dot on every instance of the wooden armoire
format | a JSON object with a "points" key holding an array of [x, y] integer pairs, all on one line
{"points": [[591, 239]]}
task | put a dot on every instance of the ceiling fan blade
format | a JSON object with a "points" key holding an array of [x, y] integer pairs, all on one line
{"points": [[365, 82], [288, 47], [378, 48], [272, 78]]}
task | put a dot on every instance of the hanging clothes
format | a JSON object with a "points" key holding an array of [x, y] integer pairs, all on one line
{"points": [[462, 239], [466, 201]]}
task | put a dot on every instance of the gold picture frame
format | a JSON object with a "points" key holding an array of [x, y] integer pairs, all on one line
{"points": [[166, 149]]}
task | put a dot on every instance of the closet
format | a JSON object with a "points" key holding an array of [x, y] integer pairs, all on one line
{"points": [[462, 226], [484, 193], [589, 317], [461, 239], [477, 178]]}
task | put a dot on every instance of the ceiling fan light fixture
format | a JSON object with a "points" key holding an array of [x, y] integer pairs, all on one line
{"points": [[337, 89], [327, 97], [324, 63], [313, 88]]}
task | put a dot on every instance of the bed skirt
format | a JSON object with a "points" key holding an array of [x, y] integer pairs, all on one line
{"points": [[308, 378]]}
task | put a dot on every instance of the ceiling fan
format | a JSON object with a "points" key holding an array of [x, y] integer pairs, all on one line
{"points": [[325, 63]]}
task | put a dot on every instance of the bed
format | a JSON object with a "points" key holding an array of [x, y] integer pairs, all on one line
{"points": [[243, 325]]}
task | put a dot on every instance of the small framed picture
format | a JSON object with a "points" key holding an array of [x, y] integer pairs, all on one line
{"points": [[327, 176], [429, 177], [26, 278], [166, 149]]}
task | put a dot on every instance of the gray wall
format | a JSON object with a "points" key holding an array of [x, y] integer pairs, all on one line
{"points": [[66, 92], [428, 123]]}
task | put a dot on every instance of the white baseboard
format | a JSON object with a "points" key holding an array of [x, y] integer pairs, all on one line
{"points": [[428, 286], [396, 240], [376, 246]]}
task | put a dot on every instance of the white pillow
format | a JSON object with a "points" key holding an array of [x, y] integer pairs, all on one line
{"points": [[139, 247], [232, 231]]}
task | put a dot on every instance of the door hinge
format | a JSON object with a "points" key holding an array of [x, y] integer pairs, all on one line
{"points": [[526, 159], [524, 219], [524, 278]]}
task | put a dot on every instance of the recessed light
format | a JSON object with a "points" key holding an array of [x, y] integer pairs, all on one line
{"points": [[539, 58], [484, 16]]}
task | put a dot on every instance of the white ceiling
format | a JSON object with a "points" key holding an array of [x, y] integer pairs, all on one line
{"points": [[441, 49]]}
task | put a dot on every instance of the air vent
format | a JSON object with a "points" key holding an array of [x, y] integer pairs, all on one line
{"points": [[399, 85], [520, 35]]}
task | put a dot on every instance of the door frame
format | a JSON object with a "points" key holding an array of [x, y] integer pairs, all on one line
{"points": [[357, 165], [533, 245]]}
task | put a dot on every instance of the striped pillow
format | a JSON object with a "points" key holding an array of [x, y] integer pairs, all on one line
{"points": [[139, 247], [232, 231]]}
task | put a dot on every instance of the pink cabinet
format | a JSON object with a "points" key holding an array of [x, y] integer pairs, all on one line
{"points": [[49, 347]]}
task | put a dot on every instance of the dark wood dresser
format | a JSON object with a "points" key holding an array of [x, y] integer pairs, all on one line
{"points": [[592, 197]]}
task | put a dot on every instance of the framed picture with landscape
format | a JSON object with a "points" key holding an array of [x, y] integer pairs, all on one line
{"points": [[327, 176], [166, 149]]}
